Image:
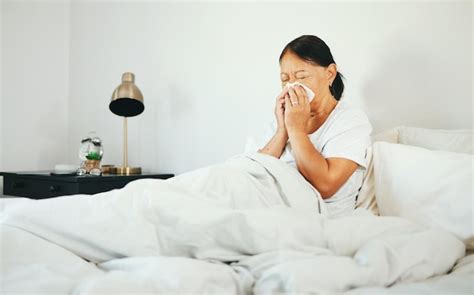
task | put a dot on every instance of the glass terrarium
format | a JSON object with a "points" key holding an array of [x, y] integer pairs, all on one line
{"points": [[90, 153]]}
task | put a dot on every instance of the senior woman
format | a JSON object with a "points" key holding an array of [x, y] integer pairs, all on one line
{"points": [[325, 138]]}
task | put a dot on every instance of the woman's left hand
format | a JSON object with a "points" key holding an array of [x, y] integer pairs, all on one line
{"points": [[297, 110]]}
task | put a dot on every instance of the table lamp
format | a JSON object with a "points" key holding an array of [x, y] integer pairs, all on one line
{"points": [[127, 101]]}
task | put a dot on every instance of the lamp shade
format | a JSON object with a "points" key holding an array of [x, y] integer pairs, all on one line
{"points": [[127, 99]]}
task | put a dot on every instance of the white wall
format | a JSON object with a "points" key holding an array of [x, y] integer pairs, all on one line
{"points": [[35, 75], [209, 71], [1, 81]]}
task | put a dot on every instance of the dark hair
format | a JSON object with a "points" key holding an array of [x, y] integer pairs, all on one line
{"points": [[315, 50]]}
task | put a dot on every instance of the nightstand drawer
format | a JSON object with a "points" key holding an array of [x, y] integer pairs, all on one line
{"points": [[48, 189], [41, 184], [103, 186], [17, 186]]}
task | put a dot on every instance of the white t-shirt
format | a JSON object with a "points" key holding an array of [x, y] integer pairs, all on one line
{"points": [[344, 134]]}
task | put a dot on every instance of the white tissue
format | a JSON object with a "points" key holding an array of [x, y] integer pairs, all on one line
{"points": [[309, 92]]}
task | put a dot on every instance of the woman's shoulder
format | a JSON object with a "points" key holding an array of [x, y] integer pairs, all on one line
{"points": [[350, 111], [348, 115], [347, 121]]}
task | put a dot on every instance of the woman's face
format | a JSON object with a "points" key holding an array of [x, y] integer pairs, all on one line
{"points": [[317, 78]]}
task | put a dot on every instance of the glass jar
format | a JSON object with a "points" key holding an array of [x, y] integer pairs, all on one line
{"points": [[90, 154]]}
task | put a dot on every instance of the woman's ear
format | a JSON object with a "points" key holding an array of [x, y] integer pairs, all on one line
{"points": [[331, 72]]}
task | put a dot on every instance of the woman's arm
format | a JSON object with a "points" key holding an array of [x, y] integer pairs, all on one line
{"points": [[276, 145], [326, 175]]}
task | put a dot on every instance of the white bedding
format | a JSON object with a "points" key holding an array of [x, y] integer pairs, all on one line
{"points": [[255, 226], [459, 281]]}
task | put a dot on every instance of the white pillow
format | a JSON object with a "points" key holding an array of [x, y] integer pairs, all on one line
{"points": [[449, 140], [458, 141], [433, 188], [389, 135], [366, 195]]}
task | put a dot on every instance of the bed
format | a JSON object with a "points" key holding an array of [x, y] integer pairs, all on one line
{"points": [[411, 233]]}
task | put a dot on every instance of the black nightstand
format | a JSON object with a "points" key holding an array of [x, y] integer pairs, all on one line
{"points": [[41, 184]]}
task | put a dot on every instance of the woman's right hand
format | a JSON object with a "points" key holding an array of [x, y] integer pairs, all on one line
{"points": [[280, 111]]}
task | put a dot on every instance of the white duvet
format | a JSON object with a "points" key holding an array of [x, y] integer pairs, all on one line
{"points": [[249, 225]]}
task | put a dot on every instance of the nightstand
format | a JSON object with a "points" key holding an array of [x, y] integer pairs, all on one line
{"points": [[41, 184]]}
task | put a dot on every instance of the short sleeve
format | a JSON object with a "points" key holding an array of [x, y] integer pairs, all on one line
{"points": [[350, 138]]}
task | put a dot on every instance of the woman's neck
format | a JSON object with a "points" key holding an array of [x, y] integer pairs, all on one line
{"points": [[320, 112], [322, 109]]}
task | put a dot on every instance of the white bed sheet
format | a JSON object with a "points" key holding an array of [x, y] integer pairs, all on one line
{"points": [[34, 265], [276, 241], [30, 264], [459, 281]]}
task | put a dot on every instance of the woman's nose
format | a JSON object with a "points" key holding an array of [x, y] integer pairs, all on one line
{"points": [[292, 80]]}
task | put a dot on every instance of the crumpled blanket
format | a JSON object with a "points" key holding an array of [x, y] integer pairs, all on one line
{"points": [[253, 213]]}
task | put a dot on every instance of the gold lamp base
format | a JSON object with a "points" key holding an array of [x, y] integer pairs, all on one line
{"points": [[125, 170]]}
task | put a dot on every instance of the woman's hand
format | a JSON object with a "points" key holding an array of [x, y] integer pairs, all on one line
{"points": [[280, 112], [297, 110]]}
